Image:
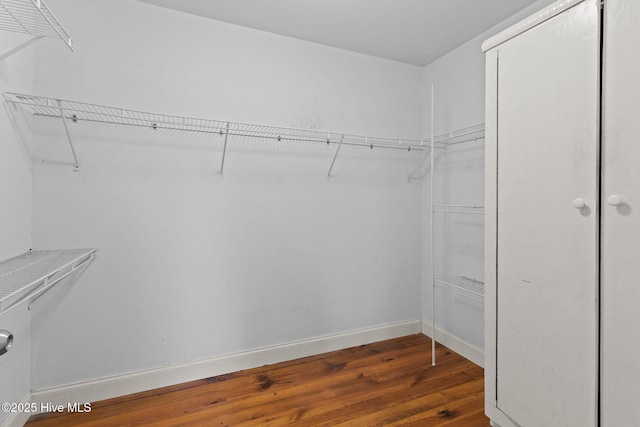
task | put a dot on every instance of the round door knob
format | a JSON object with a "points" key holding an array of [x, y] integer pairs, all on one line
{"points": [[615, 200], [579, 203], [6, 341]]}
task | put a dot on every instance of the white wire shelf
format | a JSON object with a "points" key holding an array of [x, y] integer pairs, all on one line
{"points": [[459, 209], [473, 133], [29, 275], [471, 288], [79, 111], [32, 17], [442, 141]]}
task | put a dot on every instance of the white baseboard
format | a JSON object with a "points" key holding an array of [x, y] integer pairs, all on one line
{"points": [[106, 388], [18, 419], [463, 348], [498, 418]]}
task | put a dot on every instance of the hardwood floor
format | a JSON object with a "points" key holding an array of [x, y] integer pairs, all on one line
{"points": [[386, 383]]}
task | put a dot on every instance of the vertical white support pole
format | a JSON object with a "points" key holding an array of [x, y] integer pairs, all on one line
{"points": [[433, 257], [76, 165], [224, 149]]}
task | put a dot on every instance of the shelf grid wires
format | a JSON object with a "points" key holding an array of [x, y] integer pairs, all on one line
{"points": [[462, 209], [458, 136], [34, 272], [32, 17], [80, 111], [473, 289]]}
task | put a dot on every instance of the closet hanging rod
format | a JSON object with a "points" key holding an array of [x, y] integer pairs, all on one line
{"points": [[79, 111], [156, 126]]}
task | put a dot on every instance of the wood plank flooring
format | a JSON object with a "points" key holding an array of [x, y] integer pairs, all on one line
{"points": [[386, 383]]}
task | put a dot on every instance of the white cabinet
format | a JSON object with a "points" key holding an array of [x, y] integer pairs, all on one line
{"points": [[561, 301], [620, 227]]}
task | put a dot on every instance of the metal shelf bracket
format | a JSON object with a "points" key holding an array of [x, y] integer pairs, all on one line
{"points": [[48, 284], [438, 154], [422, 159], [19, 47], [76, 164], [224, 149], [335, 156]]}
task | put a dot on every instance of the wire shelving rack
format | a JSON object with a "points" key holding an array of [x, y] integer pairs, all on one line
{"points": [[472, 288], [33, 273], [74, 111], [31, 17], [460, 209], [465, 286]]}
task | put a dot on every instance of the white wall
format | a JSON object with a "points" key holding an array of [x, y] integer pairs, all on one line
{"points": [[16, 73], [458, 78], [192, 265]]}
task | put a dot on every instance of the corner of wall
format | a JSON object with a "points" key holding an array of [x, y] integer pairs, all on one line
{"points": [[16, 74]]}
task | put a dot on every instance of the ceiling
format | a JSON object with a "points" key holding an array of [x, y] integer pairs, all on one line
{"points": [[411, 31]]}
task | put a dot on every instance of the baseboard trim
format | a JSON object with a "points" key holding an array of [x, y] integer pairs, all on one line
{"points": [[120, 385], [18, 419], [498, 418], [465, 349]]}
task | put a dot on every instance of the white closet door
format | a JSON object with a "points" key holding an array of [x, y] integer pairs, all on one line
{"points": [[547, 256], [620, 321]]}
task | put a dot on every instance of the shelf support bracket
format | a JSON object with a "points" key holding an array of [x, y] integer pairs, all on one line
{"points": [[76, 165], [424, 157], [439, 151], [19, 47], [335, 156], [47, 285], [224, 149], [11, 113]]}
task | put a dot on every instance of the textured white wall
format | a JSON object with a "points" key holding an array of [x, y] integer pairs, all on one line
{"points": [[192, 265], [458, 78], [16, 73]]}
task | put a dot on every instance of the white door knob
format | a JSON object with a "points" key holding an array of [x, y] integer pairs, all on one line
{"points": [[579, 203], [615, 200], [6, 341]]}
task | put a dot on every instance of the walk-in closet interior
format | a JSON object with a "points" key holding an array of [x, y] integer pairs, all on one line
{"points": [[194, 189]]}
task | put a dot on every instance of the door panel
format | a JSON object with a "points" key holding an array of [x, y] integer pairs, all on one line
{"points": [[547, 252], [620, 324]]}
